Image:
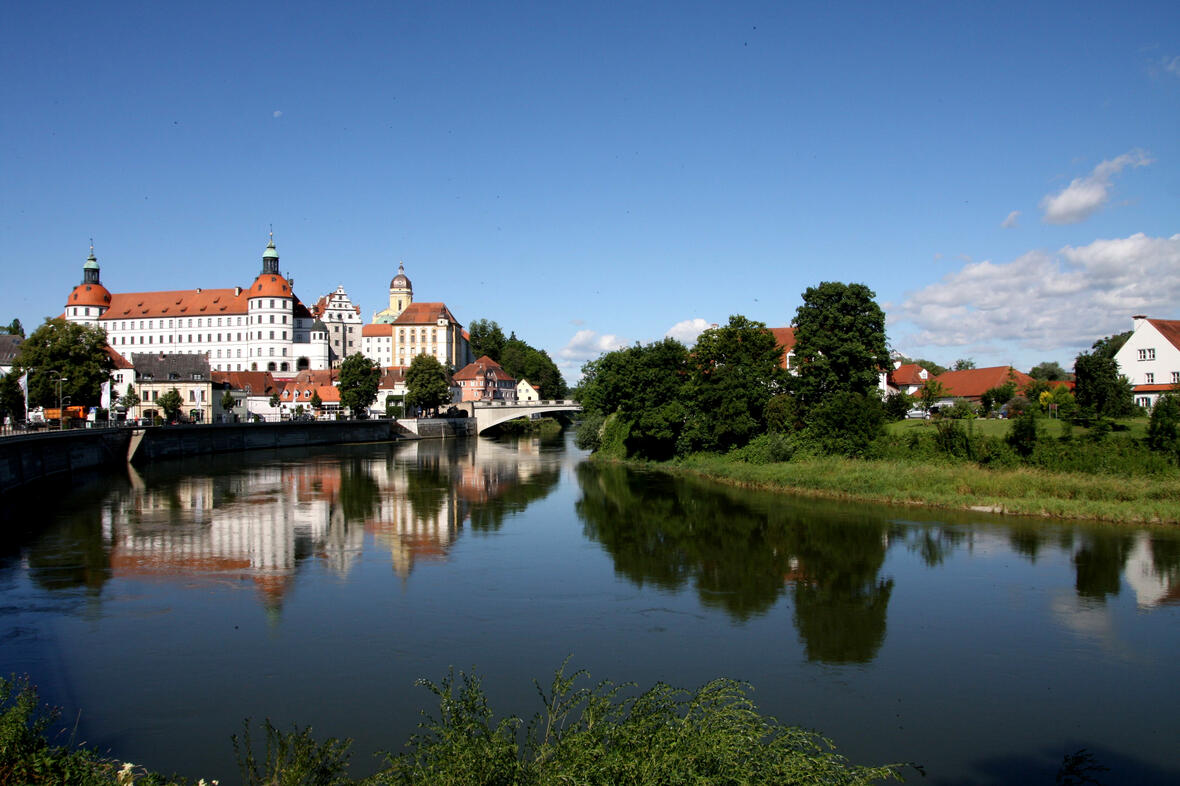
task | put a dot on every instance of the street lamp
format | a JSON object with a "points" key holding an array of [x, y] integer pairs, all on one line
{"points": [[61, 416]]}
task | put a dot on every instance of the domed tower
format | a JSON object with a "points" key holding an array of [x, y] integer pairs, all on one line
{"points": [[89, 300], [270, 306], [401, 291]]}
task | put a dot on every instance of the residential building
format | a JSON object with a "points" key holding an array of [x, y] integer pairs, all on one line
{"points": [[263, 327], [526, 391], [189, 375], [785, 336], [1150, 358], [9, 350], [407, 329], [343, 324], [485, 380], [908, 378], [972, 383]]}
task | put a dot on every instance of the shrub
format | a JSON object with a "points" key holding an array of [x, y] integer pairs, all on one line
{"points": [[896, 406], [766, 449], [1023, 435], [1163, 431], [845, 424], [961, 409], [589, 432]]}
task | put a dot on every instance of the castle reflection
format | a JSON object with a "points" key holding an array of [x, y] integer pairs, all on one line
{"points": [[260, 523]]}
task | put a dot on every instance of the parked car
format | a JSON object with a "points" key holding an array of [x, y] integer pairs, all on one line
{"points": [[918, 413]]}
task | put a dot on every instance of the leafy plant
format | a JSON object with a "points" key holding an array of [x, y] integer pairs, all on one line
{"points": [[292, 758]]}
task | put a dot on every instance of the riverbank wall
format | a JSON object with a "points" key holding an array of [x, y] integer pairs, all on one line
{"points": [[29, 458]]}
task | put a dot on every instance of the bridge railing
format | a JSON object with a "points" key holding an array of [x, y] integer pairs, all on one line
{"points": [[542, 403]]}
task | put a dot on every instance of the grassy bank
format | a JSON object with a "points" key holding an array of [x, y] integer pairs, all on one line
{"points": [[959, 485]]}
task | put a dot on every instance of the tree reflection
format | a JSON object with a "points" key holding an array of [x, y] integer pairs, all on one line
{"points": [[1099, 563], [668, 531], [71, 555]]}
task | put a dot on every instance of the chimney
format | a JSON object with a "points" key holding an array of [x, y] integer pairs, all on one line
{"points": [[1138, 320], [237, 291], [198, 290]]}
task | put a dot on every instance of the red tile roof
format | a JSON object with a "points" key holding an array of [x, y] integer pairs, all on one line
{"points": [[89, 295], [481, 368], [1169, 329], [302, 393], [425, 314], [180, 303], [377, 330], [974, 382], [118, 360], [1156, 388], [258, 383], [908, 374], [785, 336]]}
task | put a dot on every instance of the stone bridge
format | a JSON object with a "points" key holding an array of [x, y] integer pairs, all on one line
{"points": [[493, 413]]}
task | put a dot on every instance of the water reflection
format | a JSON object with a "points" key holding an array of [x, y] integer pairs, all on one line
{"points": [[743, 551], [219, 521]]}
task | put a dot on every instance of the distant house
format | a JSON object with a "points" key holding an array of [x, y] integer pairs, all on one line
{"points": [[485, 380], [785, 336], [9, 350], [1151, 358], [908, 378], [972, 383], [526, 391]]}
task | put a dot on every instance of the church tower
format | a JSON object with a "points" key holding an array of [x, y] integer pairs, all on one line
{"points": [[89, 300], [401, 295]]}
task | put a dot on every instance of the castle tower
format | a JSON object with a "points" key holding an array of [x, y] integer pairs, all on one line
{"points": [[401, 295], [270, 316], [89, 300]]}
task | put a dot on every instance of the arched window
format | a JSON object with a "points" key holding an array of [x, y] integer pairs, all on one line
{"points": [[270, 366], [283, 367], [303, 364], [253, 366]]}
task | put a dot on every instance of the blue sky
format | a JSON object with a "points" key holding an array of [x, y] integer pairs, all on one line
{"points": [[1003, 176]]}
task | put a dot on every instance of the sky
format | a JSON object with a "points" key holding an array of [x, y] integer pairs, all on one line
{"points": [[1004, 176]]}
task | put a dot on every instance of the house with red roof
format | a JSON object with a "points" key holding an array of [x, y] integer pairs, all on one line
{"points": [[407, 329], [485, 380], [908, 378], [972, 383], [1151, 358]]}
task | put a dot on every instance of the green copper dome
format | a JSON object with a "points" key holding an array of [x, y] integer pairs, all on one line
{"points": [[91, 263], [270, 252]]}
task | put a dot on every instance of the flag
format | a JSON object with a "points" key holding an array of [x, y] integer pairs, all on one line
{"points": [[24, 388], [105, 401]]}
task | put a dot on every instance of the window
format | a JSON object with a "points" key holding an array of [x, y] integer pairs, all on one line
{"points": [[1176, 377], [192, 395], [272, 319], [1147, 354], [1149, 378]]}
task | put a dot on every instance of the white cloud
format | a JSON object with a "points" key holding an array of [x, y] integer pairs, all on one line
{"points": [[686, 332], [587, 345], [1043, 301], [277, 113], [1012, 220], [1085, 195], [1172, 65]]}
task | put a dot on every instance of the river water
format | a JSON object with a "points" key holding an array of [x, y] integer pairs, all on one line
{"points": [[161, 607]]}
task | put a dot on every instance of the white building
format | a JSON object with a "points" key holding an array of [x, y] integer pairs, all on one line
{"points": [[343, 322], [263, 327], [1151, 358]]}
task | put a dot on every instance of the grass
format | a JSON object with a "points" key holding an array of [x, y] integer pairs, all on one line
{"points": [[995, 427], [958, 485]]}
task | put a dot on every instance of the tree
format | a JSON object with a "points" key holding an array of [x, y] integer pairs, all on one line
{"points": [[130, 399], [1163, 431], [934, 368], [964, 364], [316, 402], [13, 329], [170, 403], [839, 341], [931, 392], [68, 350], [1108, 347], [12, 403], [994, 398], [275, 401], [227, 401], [733, 372], [1049, 371], [486, 338], [1098, 387], [359, 378], [426, 383]]}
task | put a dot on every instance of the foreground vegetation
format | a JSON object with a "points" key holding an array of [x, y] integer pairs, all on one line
{"points": [[605, 734]]}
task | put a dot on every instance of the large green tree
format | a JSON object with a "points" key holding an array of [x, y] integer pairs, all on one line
{"points": [[733, 372], [170, 402], [839, 342], [1049, 371], [13, 329], [358, 382], [426, 383], [486, 338], [12, 403], [1098, 387], [74, 352]]}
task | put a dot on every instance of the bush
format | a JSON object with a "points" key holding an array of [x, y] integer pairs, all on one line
{"points": [[1023, 435], [960, 410], [1163, 431], [845, 424], [589, 432], [896, 406], [766, 449]]}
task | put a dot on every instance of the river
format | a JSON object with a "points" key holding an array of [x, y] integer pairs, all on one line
{"points": [[159, 608]]}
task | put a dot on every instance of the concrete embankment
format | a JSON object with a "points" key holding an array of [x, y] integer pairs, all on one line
{"points": [[29, 458]]}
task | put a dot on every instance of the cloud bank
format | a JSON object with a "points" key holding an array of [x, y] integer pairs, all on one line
{"points": [[1012, 220], [587, 345], [1086, 195], [1043, 301]]}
